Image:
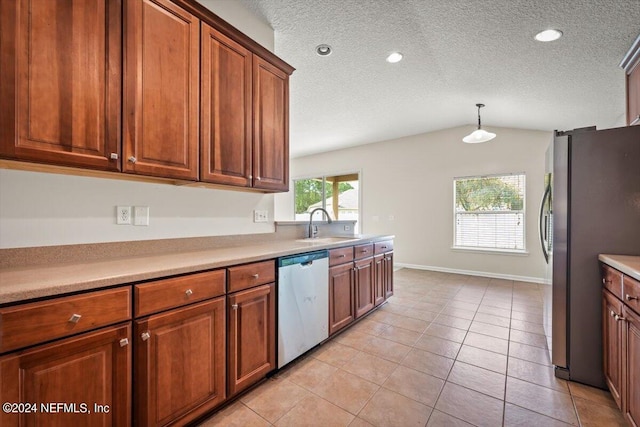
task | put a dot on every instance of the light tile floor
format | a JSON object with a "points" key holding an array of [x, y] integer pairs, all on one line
{"points": [[446, 350]]}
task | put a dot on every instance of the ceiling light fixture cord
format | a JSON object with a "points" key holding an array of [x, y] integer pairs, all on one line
{"points": [[479, 107]]}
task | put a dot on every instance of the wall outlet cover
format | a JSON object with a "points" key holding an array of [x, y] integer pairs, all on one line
{"points": [[260, 216], [123, 215]]}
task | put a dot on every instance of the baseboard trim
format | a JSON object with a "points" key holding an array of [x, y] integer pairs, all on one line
{"points": [[539, 280]]}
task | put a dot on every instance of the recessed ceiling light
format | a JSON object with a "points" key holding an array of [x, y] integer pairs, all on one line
{"points": [[394, 57], [548, 35], [324, 50]]}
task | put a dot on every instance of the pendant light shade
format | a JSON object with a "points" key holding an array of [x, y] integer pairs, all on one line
{"points": [[479, 135]]}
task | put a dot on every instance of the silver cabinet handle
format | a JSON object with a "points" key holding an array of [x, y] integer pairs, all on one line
{"points": [[629, 297], [132, 159], [618, 318], [114, 156], [124, 342], [341, 256], [188, 292], [255, 276], [145, 336], [234, 306], [258, 178], [75, 318]]}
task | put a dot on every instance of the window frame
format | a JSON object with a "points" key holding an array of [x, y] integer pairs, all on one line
{"points": [[523, 211], [324, 176]]}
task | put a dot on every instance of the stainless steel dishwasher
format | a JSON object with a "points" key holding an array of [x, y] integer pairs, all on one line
{"points": [[303, 303]]}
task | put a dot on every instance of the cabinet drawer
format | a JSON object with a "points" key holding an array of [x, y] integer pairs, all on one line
{"points": [[612, 280], [382, 247], [631, 292], [340, 255], [32, 323], [250, 275], [170, 293], [363, 251]]}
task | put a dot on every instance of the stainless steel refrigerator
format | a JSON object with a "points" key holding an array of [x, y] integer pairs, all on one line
{"points": [[591, 205]]}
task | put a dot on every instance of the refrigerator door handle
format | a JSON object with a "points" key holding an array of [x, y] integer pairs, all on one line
{"points": [[541, 227]]}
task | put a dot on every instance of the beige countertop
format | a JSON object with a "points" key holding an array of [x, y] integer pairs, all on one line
{"points": [[628, 264], [18, 284]]}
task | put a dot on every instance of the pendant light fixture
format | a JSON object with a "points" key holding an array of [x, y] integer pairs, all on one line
{"points": [[479, 135]]}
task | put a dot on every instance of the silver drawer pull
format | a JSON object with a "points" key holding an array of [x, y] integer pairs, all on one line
{"points": [[75, 318], [234, 306], [124, 342], [114, 156], [629, 297], [132, 159], [341, 256], [188, 292], [618, 318], [145, 336], [605, 281], [613, 313], [255, 276]]}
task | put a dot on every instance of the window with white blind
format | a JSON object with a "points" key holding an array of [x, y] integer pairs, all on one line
{"points": [[489, 212]]}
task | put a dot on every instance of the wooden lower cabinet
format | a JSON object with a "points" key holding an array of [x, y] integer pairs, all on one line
{"points": [[632, 368], [388, 275], [341, 297], [379, 279], [180, 364], [364, 286], [252, 336], [612, 336], [90, 369]]}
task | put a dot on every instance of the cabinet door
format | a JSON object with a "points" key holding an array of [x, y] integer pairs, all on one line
{"points": [[633, 97], [365, 292], [161, 91], [341, 297], [631, 359], [388, 274], [61, 82], [252, 336], [270, 126], [180, 363], [92, 368], [612, 335], [225, 149], [379, 277]]}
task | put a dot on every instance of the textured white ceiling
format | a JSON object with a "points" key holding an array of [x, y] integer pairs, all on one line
{"points": [[456, 53]]}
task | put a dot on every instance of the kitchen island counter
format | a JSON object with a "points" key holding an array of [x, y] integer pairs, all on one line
{"points": [[627, 264]]}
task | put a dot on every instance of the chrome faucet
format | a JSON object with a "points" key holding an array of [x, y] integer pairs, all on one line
{"points": [[313, 229]]}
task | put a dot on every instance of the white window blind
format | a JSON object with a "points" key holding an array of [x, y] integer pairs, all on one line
{"points": [[489, 212]]}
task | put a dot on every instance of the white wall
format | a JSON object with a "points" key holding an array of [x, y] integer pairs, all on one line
{"points": [[38, 209], [411, 179]]}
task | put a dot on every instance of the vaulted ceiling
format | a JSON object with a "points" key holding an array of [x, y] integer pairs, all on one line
{"points": [[456, 53]]}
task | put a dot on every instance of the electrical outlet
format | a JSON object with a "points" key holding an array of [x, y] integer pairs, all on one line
{"points": [[141, 215], [123, 215], [347, 228], [260, 216]]}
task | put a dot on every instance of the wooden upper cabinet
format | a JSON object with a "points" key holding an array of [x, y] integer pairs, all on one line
{"points": [[161, 90], [631, 65], [270, 126], [225, 139], [61, 82]]}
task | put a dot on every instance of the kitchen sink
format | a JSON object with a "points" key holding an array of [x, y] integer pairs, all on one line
{"points": [[327, 240]]}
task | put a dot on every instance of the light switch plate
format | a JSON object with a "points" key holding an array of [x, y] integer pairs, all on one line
{"points": [[141, 215]]}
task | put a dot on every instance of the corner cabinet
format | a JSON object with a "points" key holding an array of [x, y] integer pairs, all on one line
{"points": [[61, 67]]}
